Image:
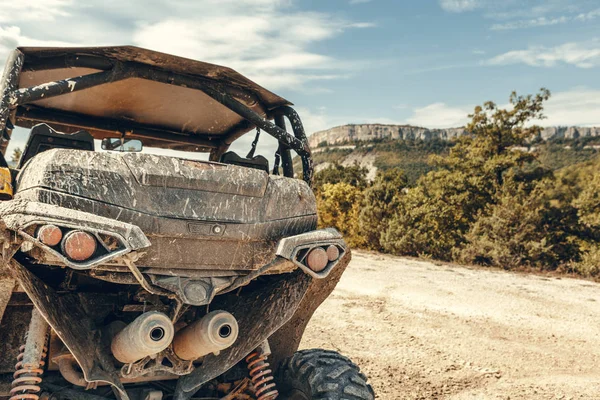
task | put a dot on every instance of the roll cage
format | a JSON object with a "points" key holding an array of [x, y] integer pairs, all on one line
{"points": [[166, 101]]}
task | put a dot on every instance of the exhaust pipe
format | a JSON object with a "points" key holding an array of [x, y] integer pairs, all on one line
{"points": [[212, 333], [148, 334]]}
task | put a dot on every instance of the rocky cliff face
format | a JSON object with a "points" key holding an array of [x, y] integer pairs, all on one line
{"points": [[569, 132], [349, 133]]}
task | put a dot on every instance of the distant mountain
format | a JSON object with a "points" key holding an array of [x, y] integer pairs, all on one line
{"points": [[367, 132], [362, 144]]}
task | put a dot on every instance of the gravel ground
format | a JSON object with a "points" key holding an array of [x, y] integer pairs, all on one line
{"points": [[423, 330]]}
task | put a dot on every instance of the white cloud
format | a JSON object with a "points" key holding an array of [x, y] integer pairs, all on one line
{"points": [[544, 21], [530, 23], [520, 14], [361, 25], [271, 46], [440, 115], [359, 1], [270, 41], [529, 9], [34, 10], [315, 121], [458, 6], [582, 55], [575, 107], [11, 37], [588, 16]]}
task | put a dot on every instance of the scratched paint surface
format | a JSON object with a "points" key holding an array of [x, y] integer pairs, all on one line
{"points": [[177, 203]]}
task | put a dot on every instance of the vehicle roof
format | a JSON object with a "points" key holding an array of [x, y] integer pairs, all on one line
{"points": [[162, 114]]}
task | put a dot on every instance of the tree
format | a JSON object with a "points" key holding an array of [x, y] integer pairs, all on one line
{"points": [[339, 206], [524, 228], [354, 175], [434, 217], [589, 265], [431, 218], [588, 201], [492, 149], [380, 200], [16, 156]]}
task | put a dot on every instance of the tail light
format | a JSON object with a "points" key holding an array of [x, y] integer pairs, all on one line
{"points": [[333, 253], [79, 245], [317, 259], [50, 235]]}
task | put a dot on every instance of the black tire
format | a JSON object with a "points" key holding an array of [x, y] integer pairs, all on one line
{"points": [[324, 375]]}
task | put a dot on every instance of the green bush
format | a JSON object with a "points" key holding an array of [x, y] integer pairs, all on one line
{"points": [[380, 200], [522, 228], [431, 218], [339, 207], [589, 265], [353, 175], [588, 201]]}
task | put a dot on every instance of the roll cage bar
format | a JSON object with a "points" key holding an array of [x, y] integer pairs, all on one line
{"points": [[114, 70]]}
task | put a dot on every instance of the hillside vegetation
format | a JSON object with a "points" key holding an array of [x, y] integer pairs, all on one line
{"points": [[412, 156], [493, 198]]}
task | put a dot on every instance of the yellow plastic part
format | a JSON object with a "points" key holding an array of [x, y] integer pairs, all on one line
{"points": [[6, 187]]}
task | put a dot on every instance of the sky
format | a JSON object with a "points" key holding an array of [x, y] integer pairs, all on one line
{"points": [[418, 62]]}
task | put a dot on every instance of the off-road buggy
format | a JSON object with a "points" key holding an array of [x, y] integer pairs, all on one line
{"points": [[137, 276]]}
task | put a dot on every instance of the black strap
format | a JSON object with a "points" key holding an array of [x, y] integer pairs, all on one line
{"points": [[254, 143], [277, 160]]}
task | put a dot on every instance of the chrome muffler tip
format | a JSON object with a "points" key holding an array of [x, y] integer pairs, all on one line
{"points": [[148, 334], [212, 333]]}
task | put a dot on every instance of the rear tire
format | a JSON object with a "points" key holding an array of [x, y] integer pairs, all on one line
{"points": [[324, 375]]}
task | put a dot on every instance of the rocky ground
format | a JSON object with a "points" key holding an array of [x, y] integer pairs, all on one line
{"points": [[423, 330]]}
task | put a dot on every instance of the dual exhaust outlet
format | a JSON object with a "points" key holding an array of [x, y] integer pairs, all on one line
{"points": [[152, 332]]}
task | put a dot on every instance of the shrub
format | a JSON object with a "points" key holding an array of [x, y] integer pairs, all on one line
{"points": [[380, 200], [523, 229], [339, 207], [589, 266], [432, 217], [588, 201], [354, 175]]}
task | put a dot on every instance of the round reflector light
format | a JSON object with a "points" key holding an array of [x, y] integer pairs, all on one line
{"points": [[333, 253], [317, 259], [79, 245], [50, 235]]}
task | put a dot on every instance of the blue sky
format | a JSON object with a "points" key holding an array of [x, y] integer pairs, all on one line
{"points": [[421, 62]]}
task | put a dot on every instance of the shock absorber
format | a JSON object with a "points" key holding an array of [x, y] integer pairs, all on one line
{"points": [[260, 373], [30, 361]]}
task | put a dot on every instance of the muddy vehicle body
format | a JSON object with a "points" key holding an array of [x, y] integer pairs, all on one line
{"points": [[131, 275]]}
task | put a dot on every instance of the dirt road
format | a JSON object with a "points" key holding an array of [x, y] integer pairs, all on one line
{"points": [[426, 331]]}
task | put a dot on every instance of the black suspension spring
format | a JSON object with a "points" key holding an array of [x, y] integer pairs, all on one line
{"points": [[261, 376]]}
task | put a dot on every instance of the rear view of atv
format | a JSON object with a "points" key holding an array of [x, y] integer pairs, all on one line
{"points": [[131, 275]]}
